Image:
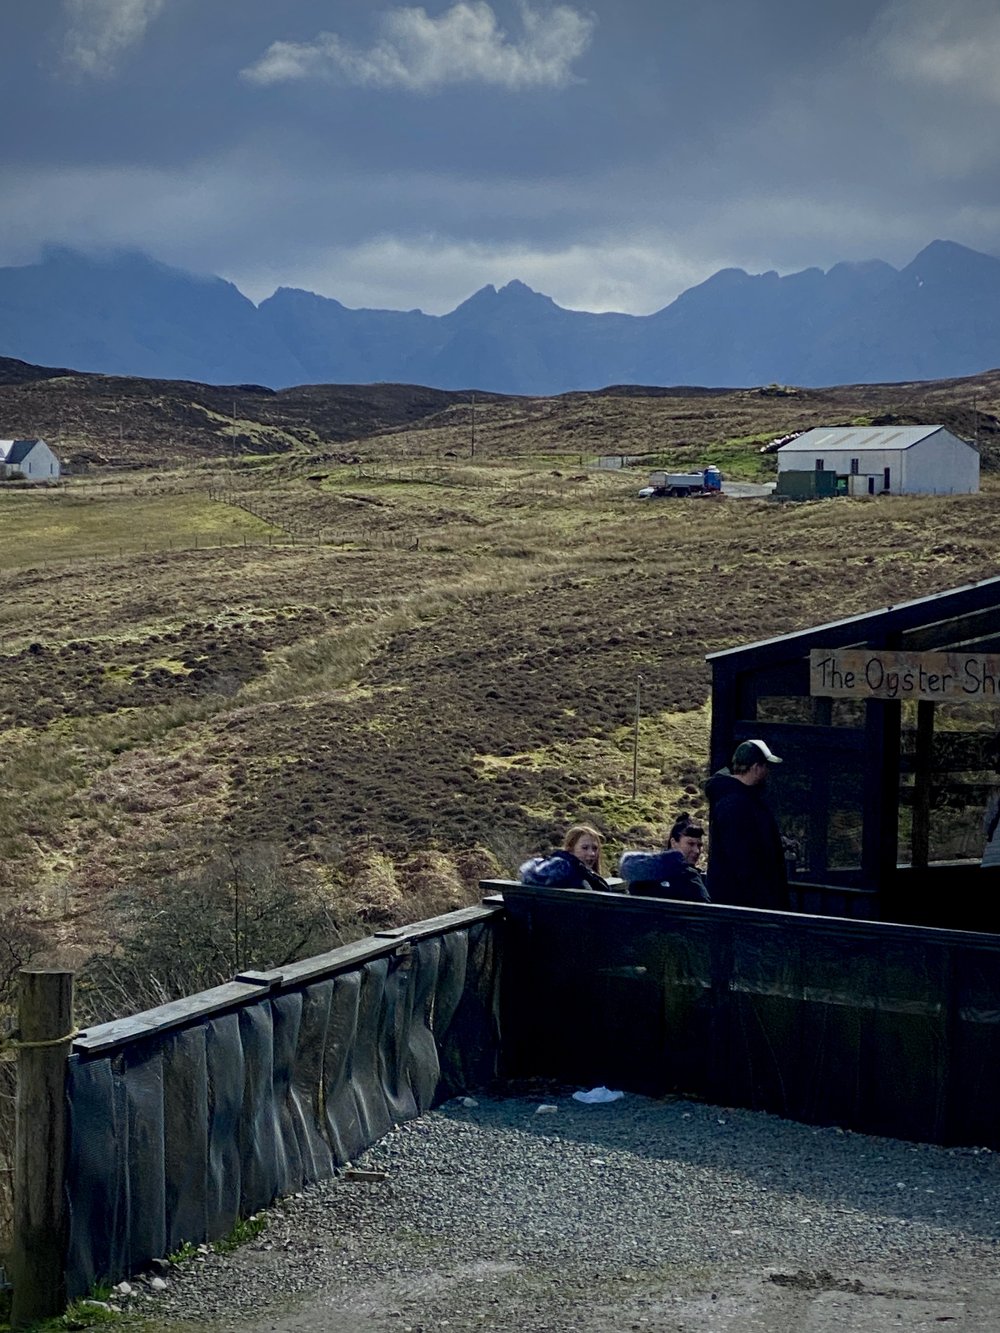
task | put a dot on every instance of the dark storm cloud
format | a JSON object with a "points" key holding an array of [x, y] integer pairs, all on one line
{"points": [[608, 153]]}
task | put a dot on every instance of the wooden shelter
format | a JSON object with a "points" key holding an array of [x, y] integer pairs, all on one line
{"points": [[888, 725]]}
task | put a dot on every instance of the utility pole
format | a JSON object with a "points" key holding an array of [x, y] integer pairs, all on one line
{"points": [[472, 426]]}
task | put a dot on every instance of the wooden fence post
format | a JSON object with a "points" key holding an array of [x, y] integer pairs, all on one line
{"points": [[38, 1252]]}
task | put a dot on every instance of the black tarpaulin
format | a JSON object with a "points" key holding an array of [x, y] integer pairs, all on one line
{"points": [[175, 1134]]}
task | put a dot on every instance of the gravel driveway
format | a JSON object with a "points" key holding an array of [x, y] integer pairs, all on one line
{"points": [[638, 1214]]}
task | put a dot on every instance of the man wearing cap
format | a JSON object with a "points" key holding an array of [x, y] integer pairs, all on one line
{"points": [[746, 858]]}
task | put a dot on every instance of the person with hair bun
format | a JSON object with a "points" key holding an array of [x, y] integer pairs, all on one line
{"points": [[672, 873], [576, 865]]}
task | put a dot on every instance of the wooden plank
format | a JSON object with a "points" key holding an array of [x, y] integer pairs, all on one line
{"points": [[351, 955], [723, 715], [179, 1013], [105, 1037], [842, 890], [880, 801], [952, 633], [875, 673], [818, 815], [839, 928], [923, 777], [982, 643], [252, 977]]}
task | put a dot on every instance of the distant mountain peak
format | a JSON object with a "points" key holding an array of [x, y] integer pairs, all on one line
{"points": [[489, 303], [511, 293], [521, 289], [121, 259], [946, 255], [951, 248], [481, 299], [123, 312], [301, 294]]}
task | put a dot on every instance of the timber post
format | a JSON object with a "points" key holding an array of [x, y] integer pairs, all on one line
{"points": [[38, 1258]]}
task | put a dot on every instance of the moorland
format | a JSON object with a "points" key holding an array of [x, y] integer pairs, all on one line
{"points": [[327, 656]]}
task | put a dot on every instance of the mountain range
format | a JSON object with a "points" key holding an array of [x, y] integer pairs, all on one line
{"points": [[869, 322]]}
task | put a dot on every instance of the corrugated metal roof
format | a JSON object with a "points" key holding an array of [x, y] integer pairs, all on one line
{"points": [[856, 439]]}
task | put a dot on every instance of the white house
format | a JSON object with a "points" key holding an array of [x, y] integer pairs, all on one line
{"points": [[32, 459], [879, 460]]}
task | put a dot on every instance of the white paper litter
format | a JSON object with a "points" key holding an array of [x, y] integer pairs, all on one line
{"points": [[596, 1095]]}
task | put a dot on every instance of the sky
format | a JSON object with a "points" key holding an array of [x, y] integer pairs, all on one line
{"points": [[609, 154]]}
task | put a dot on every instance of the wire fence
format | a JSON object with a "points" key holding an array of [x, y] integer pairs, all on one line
{"points": [[299, 531]]}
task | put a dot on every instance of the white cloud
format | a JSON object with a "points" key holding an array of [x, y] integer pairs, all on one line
{"points": [[100, 31], [636, 275], [420, 54], [955, 47]]}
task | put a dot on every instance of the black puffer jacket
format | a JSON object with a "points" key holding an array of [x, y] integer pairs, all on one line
{"points": [[561, 870], [663, 875], [746, 858]]}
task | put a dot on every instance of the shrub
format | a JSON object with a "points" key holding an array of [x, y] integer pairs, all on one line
{"points": [[235, 909], [373, 888]]}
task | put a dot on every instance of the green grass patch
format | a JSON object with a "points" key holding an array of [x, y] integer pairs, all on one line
{"points": [[244, 1231], [738, 457], [183, 1254], [36, 529], [86, 1313], [327, 662]]}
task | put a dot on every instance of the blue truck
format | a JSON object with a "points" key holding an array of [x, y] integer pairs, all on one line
{"points": [[677, 484]]}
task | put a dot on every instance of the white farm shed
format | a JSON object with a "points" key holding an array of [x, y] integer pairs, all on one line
{"points": [[879, 460], [32, 459]]}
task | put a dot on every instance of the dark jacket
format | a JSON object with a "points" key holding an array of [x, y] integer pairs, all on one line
{"points": [[561, 870], [663, 875], [746, 858]]}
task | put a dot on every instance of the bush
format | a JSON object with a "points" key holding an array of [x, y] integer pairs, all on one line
{"points": [[236, 909]]}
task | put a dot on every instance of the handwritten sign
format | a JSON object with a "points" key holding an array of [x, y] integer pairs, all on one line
{"points": [[871, 673]]}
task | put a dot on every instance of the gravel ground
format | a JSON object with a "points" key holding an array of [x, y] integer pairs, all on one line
{"points": [[635, 1214]]}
